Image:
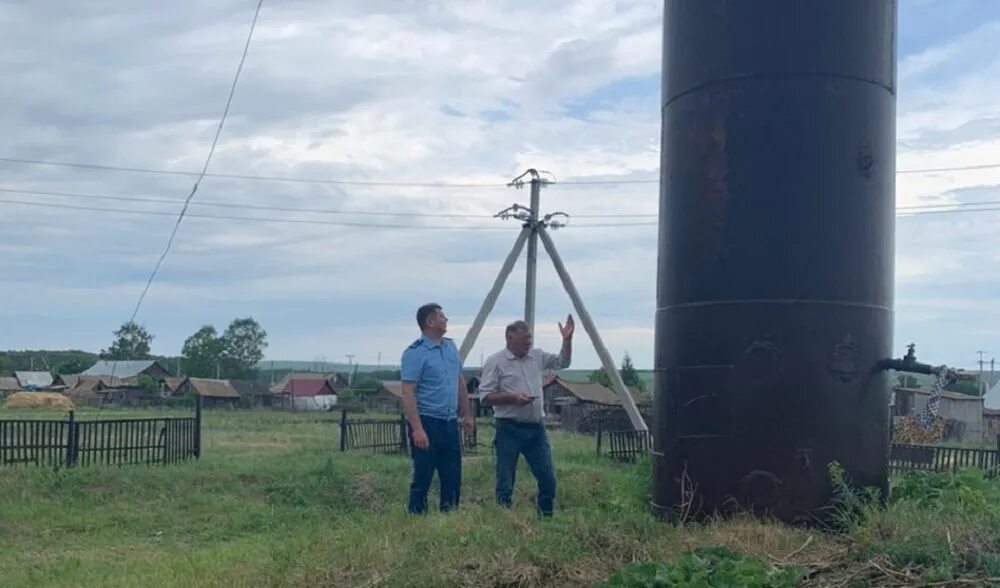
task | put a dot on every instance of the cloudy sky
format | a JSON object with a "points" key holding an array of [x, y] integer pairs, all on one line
{"points": [[412, 92]]}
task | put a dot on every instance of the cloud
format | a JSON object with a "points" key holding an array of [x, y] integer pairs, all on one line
{"points": [[371, 91]]}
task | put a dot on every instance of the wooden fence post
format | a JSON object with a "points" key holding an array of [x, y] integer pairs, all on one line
{"points": [[197, 426], [343, 430], [72, 440]]}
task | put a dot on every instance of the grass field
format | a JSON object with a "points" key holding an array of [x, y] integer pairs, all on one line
{"points": [[271, 503]]}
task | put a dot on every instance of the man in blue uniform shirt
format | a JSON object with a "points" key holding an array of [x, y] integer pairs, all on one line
{"points": [[433, 389]]}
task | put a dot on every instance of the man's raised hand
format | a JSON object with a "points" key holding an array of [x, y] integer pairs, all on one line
{"points": [[567, 329]]}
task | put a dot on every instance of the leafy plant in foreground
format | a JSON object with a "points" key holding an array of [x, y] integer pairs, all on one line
{"points": [[712, 567]]}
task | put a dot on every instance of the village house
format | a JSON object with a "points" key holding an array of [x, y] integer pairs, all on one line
{"points": [[574, 404], [33, 380], [171, 386], [8, 385], [93, 383], [307, 394], [991, 426], [253, 393], [962, 413], [389, 390], [338, 382], [86, 390], [128, 369], [991, 399], [213, 393]]}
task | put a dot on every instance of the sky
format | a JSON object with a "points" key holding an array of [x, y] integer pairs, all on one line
{"points": [[413, 92]]}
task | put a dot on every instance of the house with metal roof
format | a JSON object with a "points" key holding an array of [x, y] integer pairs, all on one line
{"points": [[33, 380], [128, 368]]}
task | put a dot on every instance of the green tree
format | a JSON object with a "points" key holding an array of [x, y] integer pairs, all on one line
{"points": [[907, 381], [628, 373], [600, 377], [132, 341], [202, 353], [630, 376], [364, 384], [150, 385], [243, 346], [73, 366], [965, 387], [6, 365]]}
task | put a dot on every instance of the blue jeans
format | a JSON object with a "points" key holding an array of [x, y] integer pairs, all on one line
{"points": [[444, 454], [514, 439]]}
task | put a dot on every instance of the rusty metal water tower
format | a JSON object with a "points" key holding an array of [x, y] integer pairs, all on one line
{"points": [[775, 273]]}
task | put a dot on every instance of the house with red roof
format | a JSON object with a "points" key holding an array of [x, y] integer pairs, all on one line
{"points": [[307, 394]]}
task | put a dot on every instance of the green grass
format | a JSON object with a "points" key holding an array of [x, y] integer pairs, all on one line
{"points": [[272, 503]]}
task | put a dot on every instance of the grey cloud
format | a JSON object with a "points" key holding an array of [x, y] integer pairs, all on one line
{"points": [[979, 129]]}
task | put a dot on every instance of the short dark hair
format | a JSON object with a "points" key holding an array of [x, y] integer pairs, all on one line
{"points": [[425, 311], [517, 326]]}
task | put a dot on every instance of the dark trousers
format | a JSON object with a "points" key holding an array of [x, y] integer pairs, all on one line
{"points": [[444, 454], [514, 439]]}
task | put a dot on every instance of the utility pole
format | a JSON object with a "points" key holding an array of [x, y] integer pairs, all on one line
{"points": [[992, 381], [982, 383], [536, 227], [530, 284], [350, 360]]}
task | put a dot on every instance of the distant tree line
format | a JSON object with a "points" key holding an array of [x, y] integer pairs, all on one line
{"points": [[232, 355]]}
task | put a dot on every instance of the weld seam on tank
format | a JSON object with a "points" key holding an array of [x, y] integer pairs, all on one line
{"points": [[741, 78], [777, 301]]}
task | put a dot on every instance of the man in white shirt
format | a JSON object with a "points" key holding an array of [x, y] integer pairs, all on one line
{"points": [[512, 384]]}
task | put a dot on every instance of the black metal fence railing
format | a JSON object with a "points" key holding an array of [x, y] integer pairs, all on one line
{"points": [[628, 446], [932, 458], [72, 442], [387, 435], [624, 446]]}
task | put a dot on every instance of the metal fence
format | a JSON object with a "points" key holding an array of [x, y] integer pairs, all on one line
{"points": [[905, 458], [387, 435], [624, 446], [628, 446], [72, 442]]}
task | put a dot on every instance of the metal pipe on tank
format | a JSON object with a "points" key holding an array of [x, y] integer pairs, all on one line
{"points": [[775, 272]]}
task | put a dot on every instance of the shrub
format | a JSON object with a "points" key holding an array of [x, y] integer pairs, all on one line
{"points": [[706, 568]]}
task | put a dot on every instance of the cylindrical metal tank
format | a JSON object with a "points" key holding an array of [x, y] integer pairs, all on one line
{"points": [[775, 271]]}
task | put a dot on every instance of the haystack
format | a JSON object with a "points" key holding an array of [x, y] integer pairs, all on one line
{"points": [[38, 400]]}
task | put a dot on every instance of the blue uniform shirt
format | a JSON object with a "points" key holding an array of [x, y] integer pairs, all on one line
{"points": [[435, 369]]}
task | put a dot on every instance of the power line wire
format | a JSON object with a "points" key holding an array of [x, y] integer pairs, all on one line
{"points": [[300, 180], [396, 184], [208, 160], [261, 219], [901, 214], [222, 204], [217, 203]]}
